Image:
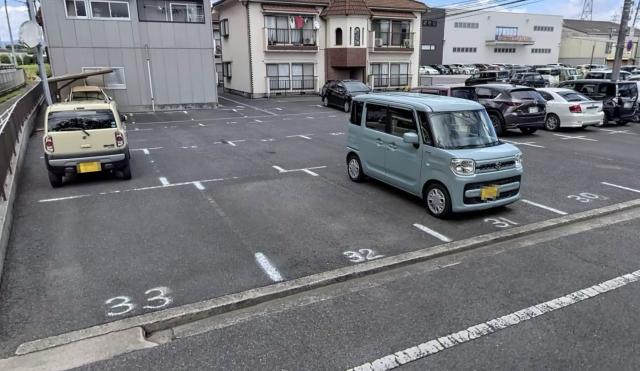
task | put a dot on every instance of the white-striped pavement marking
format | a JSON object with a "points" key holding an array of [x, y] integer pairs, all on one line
{"points": [[530, 144], [246, 105], [199, 185], [268, 268], [164, 181], [63, 198], [309, 172], [145, 151], [486, 328], [621, 187], [280, 169], [435, 234], [544, 207]]}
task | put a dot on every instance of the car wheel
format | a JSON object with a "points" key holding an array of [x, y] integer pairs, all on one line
{"points": [[347, 106], [126, 172], [55, 180], [552, 123], [354, 168], [496, 122], [622, 123], [438, 201], [528, 130], [325, 101], [604, 122]]}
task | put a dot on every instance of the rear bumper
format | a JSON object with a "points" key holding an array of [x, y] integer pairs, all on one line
{"points": [[112, 161], [580, 120], [513, 121]]}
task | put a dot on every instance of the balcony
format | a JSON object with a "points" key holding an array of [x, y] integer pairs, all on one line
{"points": [[294, 85], [391, 42], [288, 40], [392, 82], [510, 40]]}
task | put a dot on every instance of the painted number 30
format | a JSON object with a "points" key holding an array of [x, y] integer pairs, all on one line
{"points": [[362, 255], [587, 197], [157, 297]]}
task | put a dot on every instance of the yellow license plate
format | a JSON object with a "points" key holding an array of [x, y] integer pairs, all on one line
{"points": [[490, 192], [89, 167]]}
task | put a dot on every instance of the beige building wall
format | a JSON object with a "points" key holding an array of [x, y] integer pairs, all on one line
{"points": [[235, 47]]}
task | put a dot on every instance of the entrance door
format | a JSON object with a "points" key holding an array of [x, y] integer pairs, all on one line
{"points": [[403, 162]]}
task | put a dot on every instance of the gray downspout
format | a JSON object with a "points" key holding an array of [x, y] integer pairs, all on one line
{"points": [[246, 5]]}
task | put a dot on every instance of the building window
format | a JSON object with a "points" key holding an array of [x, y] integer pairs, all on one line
{"points": [[428, 47], [217, 41], [186, 13], [278, 75], [391, 33], [504, 50], [112, 80], [76, 8], [506, 31], [540, 51], [224, 28], [109, 9], [465, 50], [226, 69], [399, 74], [338, 36], [219, 72], [302, 77], [608, 48], [543, 28], [356, 37], [277, 29], [430, 23], [172, 11], [380, 74], [466, 25]]}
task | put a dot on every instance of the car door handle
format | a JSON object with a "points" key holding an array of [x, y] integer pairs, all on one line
{"points": [[393, 146], [379, 142]]}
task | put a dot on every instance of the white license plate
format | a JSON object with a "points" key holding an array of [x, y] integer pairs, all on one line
{"points": [[533, 109], [627, 105]]}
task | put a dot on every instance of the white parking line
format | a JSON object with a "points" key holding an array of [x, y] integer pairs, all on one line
{"points": [[309, 172], [268, 268], [486, 328], [164, 181], [256, 108], [544, 207], [618, 131], [621, 187], [305, 136], [63, 198], [435, 234], [145, 151], [530, 144], [199, 185], [581, 137], [280, 169]]}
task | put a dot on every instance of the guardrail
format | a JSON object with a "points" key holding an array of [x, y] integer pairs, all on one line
{"points": [[11, 79], [12, 122]]}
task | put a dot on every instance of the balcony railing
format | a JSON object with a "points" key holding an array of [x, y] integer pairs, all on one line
{"points": [[510, 40], [294, 85], [291, 39], [391, 41], [390, 82]]}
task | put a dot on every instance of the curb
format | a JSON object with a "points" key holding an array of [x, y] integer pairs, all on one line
{"points": [[172, 317]]}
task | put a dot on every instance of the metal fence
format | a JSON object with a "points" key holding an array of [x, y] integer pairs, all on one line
{"points": [[301, 36], [11, 78], [425, 80], [12, 123]]}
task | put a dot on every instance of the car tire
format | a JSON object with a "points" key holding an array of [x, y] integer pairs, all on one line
{"points": [[496, 121], [126, 172], [325, 101], [347, 106], [604, 122], [55, 180], [622, 123], [528, 130], [437, 200], [354, 169], [552, 122]]}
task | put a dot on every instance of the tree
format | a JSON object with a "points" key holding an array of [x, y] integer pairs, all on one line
{"points": [[5, 59], [27, 59], [19, 61]]}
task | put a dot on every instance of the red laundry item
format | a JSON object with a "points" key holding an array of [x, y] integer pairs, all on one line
{"points": [[299, 22]]}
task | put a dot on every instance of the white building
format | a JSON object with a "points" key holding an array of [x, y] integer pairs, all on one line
{"points": [[501, 37]]}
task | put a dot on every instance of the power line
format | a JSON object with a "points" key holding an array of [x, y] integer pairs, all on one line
{"points": [[470, 6], [461, 15]]}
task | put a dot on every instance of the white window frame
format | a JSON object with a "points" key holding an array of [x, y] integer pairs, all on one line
{"points": [[76, 16], [109, 18], [186, 7], [226, 69], [428, 47], [122, 86]]}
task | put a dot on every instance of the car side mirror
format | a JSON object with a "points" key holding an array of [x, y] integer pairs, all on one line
{"points": [[66, 99], [411, 138], [110, 98], [123, 118]]}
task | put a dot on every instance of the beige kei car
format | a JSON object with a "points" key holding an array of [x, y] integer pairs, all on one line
{"points": [[85, 137]]}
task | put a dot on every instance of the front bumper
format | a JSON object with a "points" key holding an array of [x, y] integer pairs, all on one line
{"points": [[515, 121], [112, 161], [466, 195]]}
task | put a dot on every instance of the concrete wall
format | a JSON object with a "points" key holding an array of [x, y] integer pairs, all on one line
{"points": [[181, 56], [432, 36], [487, 23]]}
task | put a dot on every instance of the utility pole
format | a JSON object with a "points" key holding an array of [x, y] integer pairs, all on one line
{"points": [[622, 31], [13, 52], [43, 71]]}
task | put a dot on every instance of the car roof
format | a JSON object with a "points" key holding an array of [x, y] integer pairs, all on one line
{"points": [[87, 105], [596, 80], [506, 87], [557, 90], [423, 102], [83, 88]]}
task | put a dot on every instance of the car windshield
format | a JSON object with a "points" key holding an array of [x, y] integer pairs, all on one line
{"points": [[356, 86], [572, 96], [469, 65], [87, 95], [81, 120], [462, 129], [503, 74], [525, 94]]}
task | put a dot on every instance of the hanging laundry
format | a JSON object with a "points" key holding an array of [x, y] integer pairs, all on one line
{"points": [[316, 24], [299, 22], [292, 22]]}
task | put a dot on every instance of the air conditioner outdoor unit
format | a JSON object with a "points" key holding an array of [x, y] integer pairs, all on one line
{"points": [[218, 48], [406, 43], [308, 41], [378, 42]]}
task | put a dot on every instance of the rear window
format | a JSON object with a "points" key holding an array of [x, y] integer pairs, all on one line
{"points": [[525, 94], [356, 86], [91, 95], [503, 74], [571, 96], [464, 93], [81, 120], [628, 90]]}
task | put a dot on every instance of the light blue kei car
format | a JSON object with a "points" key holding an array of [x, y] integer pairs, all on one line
{"points": [[441, 149]]}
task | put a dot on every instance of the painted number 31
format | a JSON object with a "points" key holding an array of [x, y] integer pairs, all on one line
{"points": [[362, 255], [157, 297]]}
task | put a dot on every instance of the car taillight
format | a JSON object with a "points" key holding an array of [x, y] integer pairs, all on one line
{"points": [[48, 144], [575, 109], [119, 139], [513, 104]]}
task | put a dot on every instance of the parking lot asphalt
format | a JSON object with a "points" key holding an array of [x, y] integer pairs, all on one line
{"points": [[253, 193]]}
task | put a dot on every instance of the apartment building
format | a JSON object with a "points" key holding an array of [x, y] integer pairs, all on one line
{"points": [[293, 47], [501, 37], [156, 48], [594, 42]]}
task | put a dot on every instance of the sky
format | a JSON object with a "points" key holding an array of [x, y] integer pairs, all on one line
{"points": [[603, 10]]}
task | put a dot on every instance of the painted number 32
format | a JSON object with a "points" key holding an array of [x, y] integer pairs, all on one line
{"points": [[587, 197], [157, 297], [361, 255]]}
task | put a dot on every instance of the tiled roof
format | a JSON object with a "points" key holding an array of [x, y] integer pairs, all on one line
{"points": [[397, 4], [323, 2], [388, 13], [290, 8], [347, 7], [215, 17]]}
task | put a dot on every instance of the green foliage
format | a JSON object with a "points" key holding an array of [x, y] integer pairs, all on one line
{"points": [[19, 60], [5, 59], [27, 59]]}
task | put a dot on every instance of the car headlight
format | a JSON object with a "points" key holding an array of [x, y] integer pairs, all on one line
{"points": [[463, 166], [519, 160]]}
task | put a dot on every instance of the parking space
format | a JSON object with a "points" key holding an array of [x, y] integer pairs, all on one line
{"points": [[224, 201]]}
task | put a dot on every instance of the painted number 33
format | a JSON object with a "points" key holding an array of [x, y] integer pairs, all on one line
{"points": [[157, 297]]}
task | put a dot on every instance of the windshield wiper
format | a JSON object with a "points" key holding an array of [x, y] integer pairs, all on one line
{"points": [[471, 146]]}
